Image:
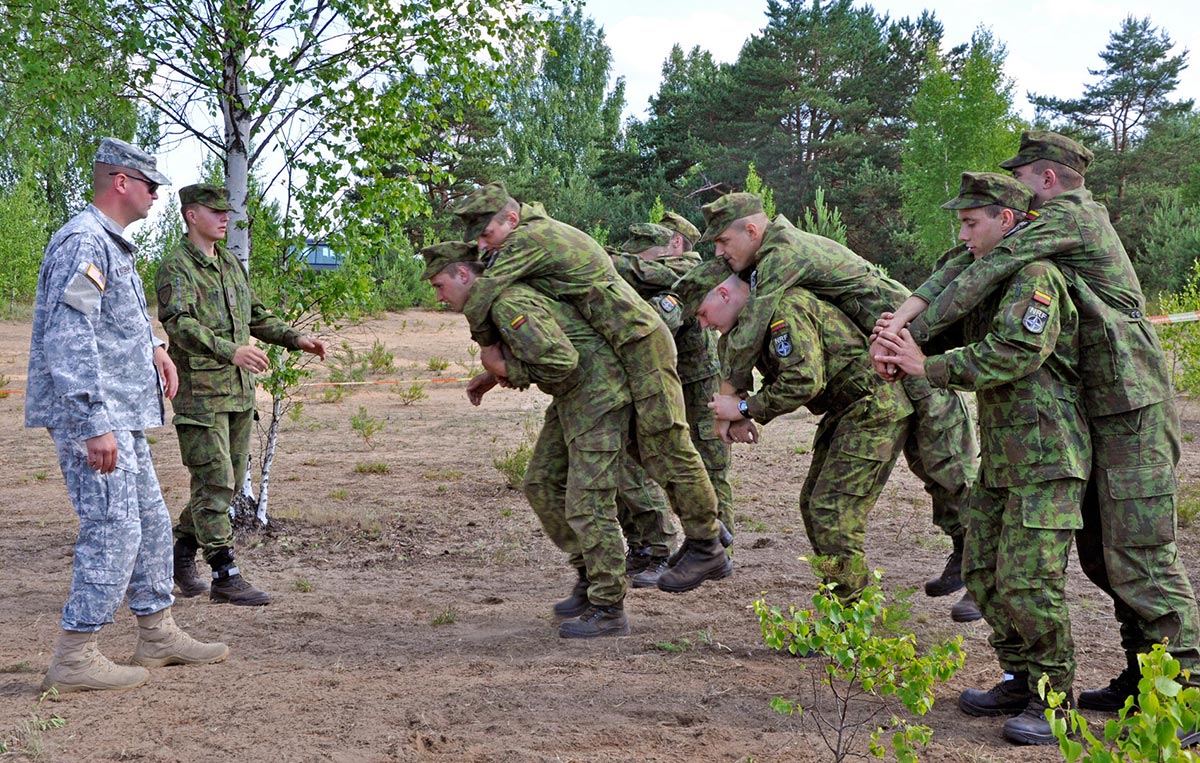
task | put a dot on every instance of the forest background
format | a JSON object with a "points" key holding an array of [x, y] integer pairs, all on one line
{"points": [[360, 125]]}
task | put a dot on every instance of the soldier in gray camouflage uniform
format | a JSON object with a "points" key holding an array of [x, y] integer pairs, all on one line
{"points": [[571, 480], [1127, 543], [1022, 360], [96, 376], [210, 312]]}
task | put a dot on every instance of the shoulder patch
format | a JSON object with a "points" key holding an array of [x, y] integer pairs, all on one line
{"points": [[84, 290], [1035, 319], [518, 322], [668, 303], [94, 273], [1042, 297]]}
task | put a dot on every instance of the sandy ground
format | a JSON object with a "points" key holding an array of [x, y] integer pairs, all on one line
{"points": [[412, 590]]}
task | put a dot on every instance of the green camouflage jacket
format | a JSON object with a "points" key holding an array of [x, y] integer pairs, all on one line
{"points": [[812, 355], [1122, 362], [208, 310], [790, 257], [566, 264], [1023, 364], [653, 279], [554, 348]]}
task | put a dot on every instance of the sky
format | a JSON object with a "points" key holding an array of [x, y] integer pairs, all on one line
{"points": [[1051, 43]]}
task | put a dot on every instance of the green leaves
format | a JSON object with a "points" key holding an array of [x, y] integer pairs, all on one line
{"points": [[866, 665]]}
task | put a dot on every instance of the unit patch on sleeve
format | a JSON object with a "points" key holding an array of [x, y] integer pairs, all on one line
{"points": [[518, 322], [781, 339], [85, 288], [668, 303], [1035, 319]]}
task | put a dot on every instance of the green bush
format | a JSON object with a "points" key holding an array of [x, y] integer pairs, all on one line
{"points": [[868, 666], [1182, 340], [1145, 730]]}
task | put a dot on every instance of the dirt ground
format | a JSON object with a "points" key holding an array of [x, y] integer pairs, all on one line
{"points": [[411, 591]]}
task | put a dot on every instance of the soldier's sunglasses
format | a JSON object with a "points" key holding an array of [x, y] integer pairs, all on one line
{"points": [[150, 184]]}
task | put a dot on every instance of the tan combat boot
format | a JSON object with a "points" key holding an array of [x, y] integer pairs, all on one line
{"points": [[77, 665], [161, 642]]}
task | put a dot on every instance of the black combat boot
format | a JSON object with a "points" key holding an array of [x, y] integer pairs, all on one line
{"points": [[1031, 726], [597, 621], [965, 610], [951, 578], [648, 578], [1112, 698], [185, 569], [723, 534], [1009, 697], [228, 585], [700, 560], [575, 604], [637, 559]]}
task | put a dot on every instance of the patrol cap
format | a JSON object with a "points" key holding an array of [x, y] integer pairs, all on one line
{"points": [[642, 236], [677, 223], [719, 214], [206, 195], [694, 285], [1043, 144], [438, 256], [478, 208], [983, 189], [121, 154]]}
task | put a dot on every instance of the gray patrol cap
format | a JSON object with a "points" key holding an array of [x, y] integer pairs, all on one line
{"points": [[121, 154]]}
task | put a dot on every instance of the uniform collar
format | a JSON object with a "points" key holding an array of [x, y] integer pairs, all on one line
{"points": [[200, 257], [110, 225]]}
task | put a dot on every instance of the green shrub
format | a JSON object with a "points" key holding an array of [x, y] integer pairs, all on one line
{"points": [[1145, 730], [866, 664]]}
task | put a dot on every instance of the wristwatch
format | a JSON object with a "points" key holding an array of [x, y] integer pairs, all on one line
{"points": [[744, 408]]}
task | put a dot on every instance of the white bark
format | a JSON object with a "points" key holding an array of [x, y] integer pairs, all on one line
{"points": [[269, 458], [235, 110]]}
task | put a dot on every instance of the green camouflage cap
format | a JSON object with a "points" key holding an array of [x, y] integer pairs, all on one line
{"points": [[438, 256], [983, 189], [642, 236], [121, 154], [681, 225], [1043, 144], [206, 195], [732, 206], [478, 208], [694, 285]]}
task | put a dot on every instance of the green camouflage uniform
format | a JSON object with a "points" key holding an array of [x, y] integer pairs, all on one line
{"points": [[941, 448], [572, 477], [566, 263], [1023, 364], [811, 355], [1127, 544], [208, 310], [697, 364]]}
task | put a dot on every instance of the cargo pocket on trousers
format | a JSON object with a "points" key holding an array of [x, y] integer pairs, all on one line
{"points": [[1142, 511]]}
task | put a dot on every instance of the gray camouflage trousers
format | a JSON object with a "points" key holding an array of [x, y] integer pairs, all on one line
{"points": [[124, 543]]}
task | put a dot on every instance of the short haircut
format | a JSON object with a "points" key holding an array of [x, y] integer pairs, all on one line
{"points": [[475, 266], [1068, 178]]}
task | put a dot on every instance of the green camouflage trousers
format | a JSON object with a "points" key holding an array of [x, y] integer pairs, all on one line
{"points": [[942, 450], [853, 454], [639, 499], [642, 506], [1127, 544], [662, 438], [572, 488], [713, 452], [215, 454], [1015, 565]]}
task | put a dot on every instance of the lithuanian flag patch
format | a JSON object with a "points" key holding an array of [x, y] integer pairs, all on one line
{"points": [[778, 326], [1042, 297], [518, 322]]}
